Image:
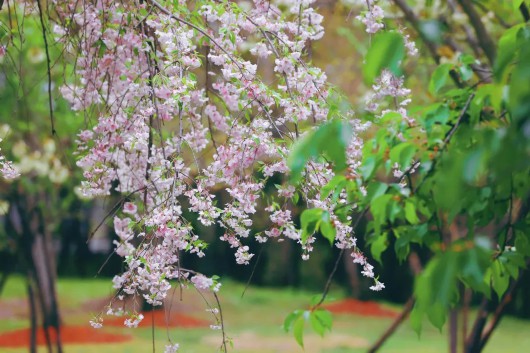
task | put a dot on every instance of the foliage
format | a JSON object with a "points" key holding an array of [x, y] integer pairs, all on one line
{"points": [[178, 108], [453, 177]]}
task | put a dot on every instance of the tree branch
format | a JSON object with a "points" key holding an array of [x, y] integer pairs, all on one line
{"points": [[411, 17], [459, 120], [397, 322], [497, 316], [48, 66], [483, 37]]}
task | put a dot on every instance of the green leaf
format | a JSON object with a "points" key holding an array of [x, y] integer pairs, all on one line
{"points": [[436, 114], [436, 288], [321, 321], [375, 190], [403, 154], [310, 221], [522, 243], [439, 78], [516, 4], [330, 139], [416, 319], [298, 330], [506, 51], [368, 167], [378, 208], [329, 231], [386, 52], [465, 72], [332, 185], [290, 319], [437, 315], [410, 213], [519, 99], [500, 279], [474, 264], [379, 245]]}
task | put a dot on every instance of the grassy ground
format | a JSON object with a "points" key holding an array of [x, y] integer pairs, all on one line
{"points": [[254, 323]]}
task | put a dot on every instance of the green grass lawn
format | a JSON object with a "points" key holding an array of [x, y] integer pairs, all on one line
{"points": [[254, 323]]}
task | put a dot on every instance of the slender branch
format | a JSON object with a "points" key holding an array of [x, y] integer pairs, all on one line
{"points": [[453, 330], [411, 17], [112, 211], [459, 120], [221, 320], [416, 267], [499, 312], [48, 66], [253, 271], [486, 11], [483, 37], [397, 322], [197, 28], [466, 303], [478, 326], [330, 278], [32, 316], [337, 261]]}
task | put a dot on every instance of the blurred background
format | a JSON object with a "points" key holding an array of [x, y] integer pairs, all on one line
{"points": [[56, 248]]}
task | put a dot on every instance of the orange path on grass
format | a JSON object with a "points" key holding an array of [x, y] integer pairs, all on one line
{"points": [[161, 319], [363, 308], [69, 335]]}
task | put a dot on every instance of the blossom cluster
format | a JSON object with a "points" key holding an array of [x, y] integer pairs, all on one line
{"points": [[7, 169], [181, 110]]}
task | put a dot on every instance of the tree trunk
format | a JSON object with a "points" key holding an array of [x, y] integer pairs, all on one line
{"points": [[35, 248]]}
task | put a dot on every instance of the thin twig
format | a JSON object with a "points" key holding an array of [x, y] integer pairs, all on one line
{"points": [[221, 320], [48, 66], [337, 261], [459, 120], [397, 322], [253, 270], [499, 312], [112, 211]]}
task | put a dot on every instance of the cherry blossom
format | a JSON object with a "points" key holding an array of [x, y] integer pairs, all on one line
{"points": [[181, 112]]}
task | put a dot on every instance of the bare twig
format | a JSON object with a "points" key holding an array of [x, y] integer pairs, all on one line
{"points": [[337, 261]]}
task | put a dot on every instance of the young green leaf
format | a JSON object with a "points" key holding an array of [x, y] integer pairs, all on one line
{"points": [[298, 330], [439, 78], [387, 52], [321, 321]]}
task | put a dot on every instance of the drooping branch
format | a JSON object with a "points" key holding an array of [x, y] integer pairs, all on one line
{"points": [[48, 66], [416, 267], [393, 327]]}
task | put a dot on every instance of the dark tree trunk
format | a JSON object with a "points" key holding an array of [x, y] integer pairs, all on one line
{"points": [[26, 223]]}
